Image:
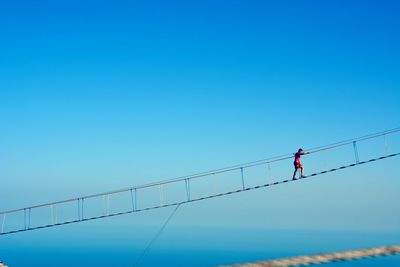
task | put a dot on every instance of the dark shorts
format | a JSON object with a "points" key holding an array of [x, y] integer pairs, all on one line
{"points": [[297, 165]]}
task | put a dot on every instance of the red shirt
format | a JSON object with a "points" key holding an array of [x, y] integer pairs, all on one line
{"points": [[297, 157]]}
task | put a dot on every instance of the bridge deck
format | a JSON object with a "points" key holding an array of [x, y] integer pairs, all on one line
{"points": [[326, 258]]}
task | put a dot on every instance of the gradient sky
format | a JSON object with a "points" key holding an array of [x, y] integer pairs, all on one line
{"points": [[98, 95]]}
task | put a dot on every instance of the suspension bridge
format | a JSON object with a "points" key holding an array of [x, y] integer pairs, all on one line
{"points": [[187, 189]]}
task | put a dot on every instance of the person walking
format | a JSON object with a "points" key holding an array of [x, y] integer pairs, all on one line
{"points": [[297, 163]]}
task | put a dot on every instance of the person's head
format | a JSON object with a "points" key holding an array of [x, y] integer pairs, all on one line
{"points": [[300, 150]]}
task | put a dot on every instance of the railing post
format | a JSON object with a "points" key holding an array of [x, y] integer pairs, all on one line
{"points": [[136, 205], [187, 183], [3, 222], [133, 204], [386, 145], [29, 218], [25, 218], [160, 190], [108, 204], [52, 214], [241, 172], [79, 208], [82, 208], [55, 214], [356, 152]]}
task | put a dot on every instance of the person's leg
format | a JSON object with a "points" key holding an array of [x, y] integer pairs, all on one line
{"points": [[302, 171], [295, 172]]}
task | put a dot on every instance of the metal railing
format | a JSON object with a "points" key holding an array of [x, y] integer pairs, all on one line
{"points": [[76, 209]]}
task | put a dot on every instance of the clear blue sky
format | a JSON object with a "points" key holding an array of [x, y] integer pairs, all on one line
{"points": [[98, 95]]}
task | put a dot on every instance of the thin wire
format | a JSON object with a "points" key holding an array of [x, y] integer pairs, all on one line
{"points": [[158, 234]]}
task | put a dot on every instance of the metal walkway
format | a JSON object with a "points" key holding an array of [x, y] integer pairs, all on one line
{"points": [[180, 190]]}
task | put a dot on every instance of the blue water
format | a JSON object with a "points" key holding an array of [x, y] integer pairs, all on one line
{"points": [[186, 247]]}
